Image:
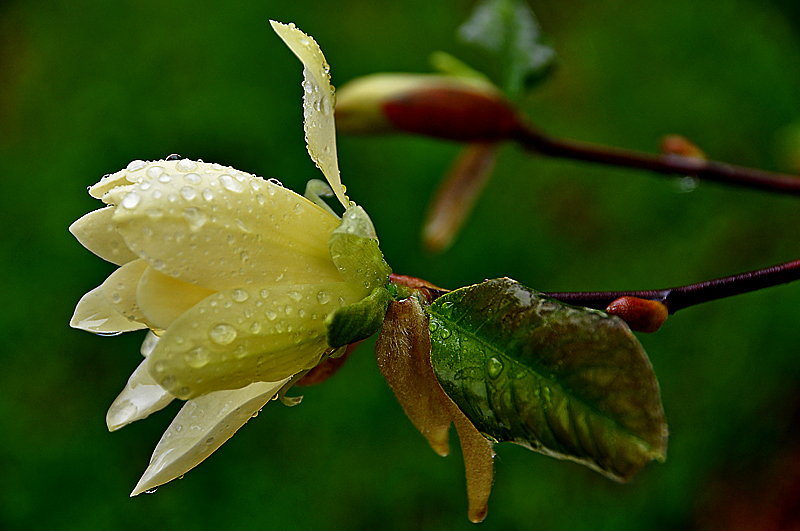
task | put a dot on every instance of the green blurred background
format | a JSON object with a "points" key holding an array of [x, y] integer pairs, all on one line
{"points": [[86, 86]]}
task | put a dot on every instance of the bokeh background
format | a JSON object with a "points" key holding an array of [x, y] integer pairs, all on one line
{"points": [[86, 86]]}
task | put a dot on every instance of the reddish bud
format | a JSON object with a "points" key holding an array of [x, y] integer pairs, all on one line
{"points": [[679, 145], [453, 108], [642, 315]]}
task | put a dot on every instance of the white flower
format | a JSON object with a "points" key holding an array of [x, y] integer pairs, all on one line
{"points": [[236, 277]]}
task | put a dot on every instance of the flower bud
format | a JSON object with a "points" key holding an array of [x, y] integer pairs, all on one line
{"points": [[453, 108], [642, 315]]}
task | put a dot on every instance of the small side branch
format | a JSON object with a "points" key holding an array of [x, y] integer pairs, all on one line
{"points": [[670, 164]]}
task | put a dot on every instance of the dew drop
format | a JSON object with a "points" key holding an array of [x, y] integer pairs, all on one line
{"points": [[239, 295], [548, 396], [270, 315], [255, 327], [186, 165], [194, 216], [135, 165], [164, 178], [154, 171], [229, 183], [173, 156], [264, 293], [130, 200], [222, 334], [295, 295], [192, 178], [197, 358], [188, 193], [494, 367], [208, 195]]}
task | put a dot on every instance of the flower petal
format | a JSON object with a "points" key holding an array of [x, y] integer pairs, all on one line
{"points": [[96, 232], [95, 313], [318, 103], [245, 335], [141, 397], [201, 426], [219, 228], [120, 290], [163, 299]]}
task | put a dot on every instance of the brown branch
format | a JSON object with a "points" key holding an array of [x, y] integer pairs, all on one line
{"points": [[685, 296], [670, 164]]}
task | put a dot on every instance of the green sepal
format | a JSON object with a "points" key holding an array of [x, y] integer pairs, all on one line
{"points": [[355, 251], [357, 321], [570, 382]]}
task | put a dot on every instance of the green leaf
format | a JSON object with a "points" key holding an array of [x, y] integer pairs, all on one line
{"points": [[357, 321], [569, 382], [508, 30]]}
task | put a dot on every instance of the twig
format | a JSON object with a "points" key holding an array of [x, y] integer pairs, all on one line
{"points": [[685, 296], [670, 164]]}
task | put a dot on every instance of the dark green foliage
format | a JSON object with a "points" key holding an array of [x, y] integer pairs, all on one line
{"points": [[565, 381]]}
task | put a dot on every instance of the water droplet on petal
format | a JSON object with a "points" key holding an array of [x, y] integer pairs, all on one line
{"points": [[135, 165], [186, 165], [295, 295], [130, 200], [229, 183], [192, 178], [154, 171], [188, 193], [222, 334], [197, 358], [194, 216], [323, 297], [208, 195], [239, 295]]}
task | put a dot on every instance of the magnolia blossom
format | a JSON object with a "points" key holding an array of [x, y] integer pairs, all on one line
{"points": [[236, 277]]}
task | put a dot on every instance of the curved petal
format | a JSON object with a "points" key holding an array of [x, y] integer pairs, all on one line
{"points": [[318, 103], [123, 177], [120, 290], [95, 313], [201, 426], [245, 335], [149, 343], [219, 228], [141, 397], [163, 299], [96, 232]]}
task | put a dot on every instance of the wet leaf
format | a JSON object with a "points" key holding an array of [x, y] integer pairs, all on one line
{"points": [[569, 382], [508, 30]]}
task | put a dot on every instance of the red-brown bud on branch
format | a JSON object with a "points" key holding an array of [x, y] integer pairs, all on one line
{"points": [[642, 315], [452, 108]]}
